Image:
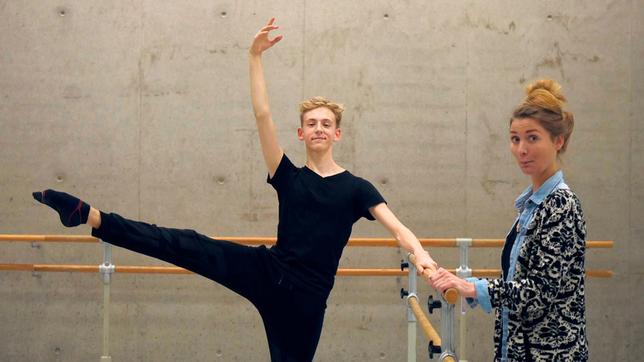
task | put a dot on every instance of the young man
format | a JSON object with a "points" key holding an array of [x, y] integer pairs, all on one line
{"points": [[318, 204]]}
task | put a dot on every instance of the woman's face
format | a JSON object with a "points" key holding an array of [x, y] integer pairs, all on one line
{"points": [[534, 149]]}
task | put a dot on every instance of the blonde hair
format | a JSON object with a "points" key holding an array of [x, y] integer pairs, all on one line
{"points": [[319, 101], [544, 103]]}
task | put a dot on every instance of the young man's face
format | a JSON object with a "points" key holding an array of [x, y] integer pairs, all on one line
{"points": [[319, 130]]}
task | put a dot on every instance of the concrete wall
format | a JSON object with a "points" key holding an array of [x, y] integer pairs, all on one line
{"points": [[142, 107]]}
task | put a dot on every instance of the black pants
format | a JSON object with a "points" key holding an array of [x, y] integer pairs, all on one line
{"points": [[292, 317]]}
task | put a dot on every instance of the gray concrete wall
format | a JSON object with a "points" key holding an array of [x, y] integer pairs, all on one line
{"points": [[142, 107]]}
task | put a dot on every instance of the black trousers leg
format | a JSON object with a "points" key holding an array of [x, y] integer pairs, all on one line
{"points": [[237, 267], [293, 321]]}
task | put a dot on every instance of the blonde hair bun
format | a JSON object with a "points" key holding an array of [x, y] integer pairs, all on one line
{"points": [[545, 93]]}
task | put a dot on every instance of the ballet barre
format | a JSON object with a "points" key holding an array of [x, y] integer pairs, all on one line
{"points": [[442, 344]]}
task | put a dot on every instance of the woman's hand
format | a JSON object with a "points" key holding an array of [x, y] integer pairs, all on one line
{"points": [[442, 280], [261, 41]]}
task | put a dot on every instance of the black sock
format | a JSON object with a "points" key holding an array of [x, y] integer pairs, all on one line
{"points": [[72, 211]]}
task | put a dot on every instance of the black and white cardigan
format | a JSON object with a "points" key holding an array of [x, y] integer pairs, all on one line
{"points": [[545, 299]]}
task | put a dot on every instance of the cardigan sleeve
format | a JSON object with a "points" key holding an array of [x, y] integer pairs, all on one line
{"points": [[556, 244]]}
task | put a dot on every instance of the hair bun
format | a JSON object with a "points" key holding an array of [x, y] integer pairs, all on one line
{"points": [[545, 93]]}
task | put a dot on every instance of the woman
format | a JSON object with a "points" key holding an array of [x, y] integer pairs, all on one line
{"points": [[539, 301]]}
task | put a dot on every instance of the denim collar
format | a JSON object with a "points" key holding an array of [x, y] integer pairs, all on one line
{"points": [[543, 191]]}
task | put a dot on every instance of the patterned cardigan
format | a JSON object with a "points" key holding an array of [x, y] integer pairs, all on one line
{"points": [[545, 299]]}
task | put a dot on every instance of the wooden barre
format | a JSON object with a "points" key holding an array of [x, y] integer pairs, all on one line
{"points": [[498, 243], [427, 327], [494, 273], [350, 272], [256, 240], [168, 269]]}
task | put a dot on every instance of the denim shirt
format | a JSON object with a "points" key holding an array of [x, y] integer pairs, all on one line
{"points": [[525, 204]]}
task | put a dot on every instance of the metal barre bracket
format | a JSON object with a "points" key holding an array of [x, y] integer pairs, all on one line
{"points": [[464, 270], [106, 270]]}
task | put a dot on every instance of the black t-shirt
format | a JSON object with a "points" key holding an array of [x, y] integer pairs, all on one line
{"points": [[316, 215]]}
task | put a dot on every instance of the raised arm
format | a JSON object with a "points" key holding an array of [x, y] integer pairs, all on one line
{"points": [[404, 236], [265, 126]]}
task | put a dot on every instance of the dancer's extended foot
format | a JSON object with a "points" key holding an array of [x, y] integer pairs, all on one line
{"points": [[72, 211]]}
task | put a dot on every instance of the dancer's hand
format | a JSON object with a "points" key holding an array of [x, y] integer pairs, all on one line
{"points": [[261, 41], [424, 261], [442, 280]]}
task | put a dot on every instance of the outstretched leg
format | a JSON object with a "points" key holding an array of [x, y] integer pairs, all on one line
{"points": [[237, 267], [232, 265]]}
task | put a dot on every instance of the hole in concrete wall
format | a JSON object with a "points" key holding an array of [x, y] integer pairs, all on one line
{"points": [[386, 16], [61, 11], [223, 14], [384, 181], [549, 17], [220, 180], [60, 178]]}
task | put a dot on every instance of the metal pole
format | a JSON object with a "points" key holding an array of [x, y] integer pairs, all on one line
{"points": [[411, 318], [463, 271], [106, 269], [447, 332]]}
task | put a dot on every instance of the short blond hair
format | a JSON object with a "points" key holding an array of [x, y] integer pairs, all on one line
{"points": [[319, 101]]}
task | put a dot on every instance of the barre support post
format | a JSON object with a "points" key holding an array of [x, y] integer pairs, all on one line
{"points": [[411, 318], [463, 271], [106, 269]]}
